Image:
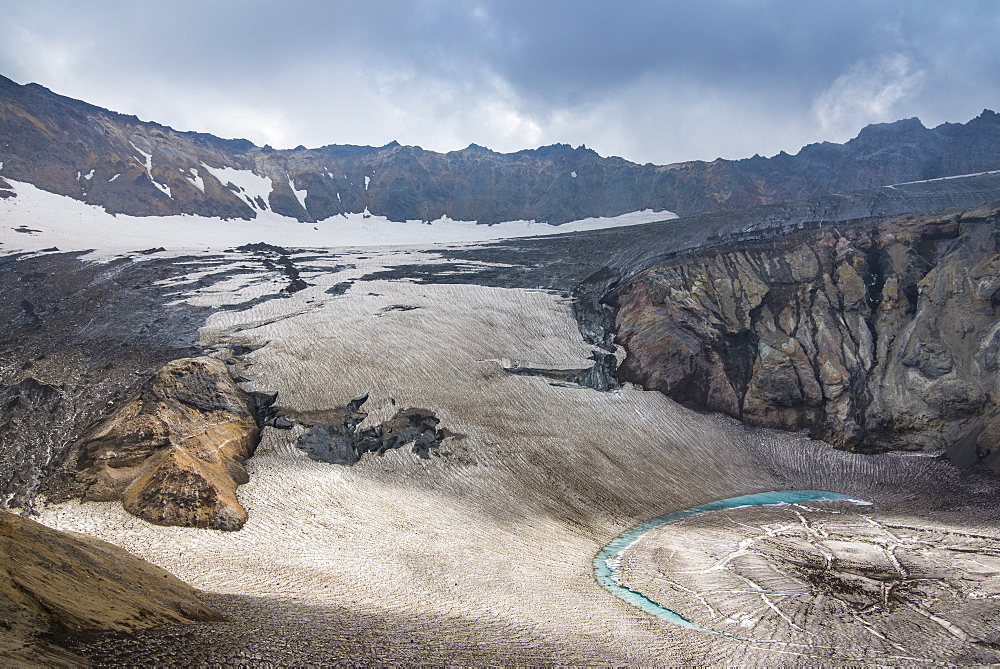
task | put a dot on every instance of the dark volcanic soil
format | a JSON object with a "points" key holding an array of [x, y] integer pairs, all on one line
{"points": [[77, 338]]}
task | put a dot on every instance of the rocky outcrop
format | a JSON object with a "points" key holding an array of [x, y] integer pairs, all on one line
{"points": [[334, 437], [53, 583], [881, 336], [129, 166], [174, 452], [76, 339]]}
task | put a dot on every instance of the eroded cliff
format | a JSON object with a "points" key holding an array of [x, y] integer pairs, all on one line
{"points": [[873, 337]]}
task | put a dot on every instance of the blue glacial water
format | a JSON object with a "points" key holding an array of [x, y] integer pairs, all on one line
{"points": [[606, 563]]}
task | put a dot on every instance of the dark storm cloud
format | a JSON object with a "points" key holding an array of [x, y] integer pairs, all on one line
{"points": [[655, 81], [568, 50], [596, 47]]}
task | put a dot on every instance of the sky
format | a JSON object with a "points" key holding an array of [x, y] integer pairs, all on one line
{"points": [[656, 82]]}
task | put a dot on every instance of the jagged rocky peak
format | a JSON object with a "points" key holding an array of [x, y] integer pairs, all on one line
{"points": [[129, 166], [474, 149], [872, 336], [907, 129], [988, 118]]}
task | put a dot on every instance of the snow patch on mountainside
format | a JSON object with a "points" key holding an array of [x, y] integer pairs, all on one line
{"points": [[148, 164], [196, 179], [957, 176], [251, 185], [37, 219], [300, 195]]}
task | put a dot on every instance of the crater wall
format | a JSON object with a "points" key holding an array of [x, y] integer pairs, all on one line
{"points": [[872, 337]]}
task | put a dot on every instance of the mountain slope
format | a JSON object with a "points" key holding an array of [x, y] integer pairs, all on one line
{"points": [[57, 583], [133, 167]]}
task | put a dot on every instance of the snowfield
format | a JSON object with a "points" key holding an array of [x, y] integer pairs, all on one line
{"points": [[249, 184], [71, 225]]}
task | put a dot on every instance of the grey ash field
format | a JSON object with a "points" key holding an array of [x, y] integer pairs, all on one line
{"points": [[479, 549]]}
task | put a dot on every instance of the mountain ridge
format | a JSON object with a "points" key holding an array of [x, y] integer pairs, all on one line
{"points": [[144, 168]]}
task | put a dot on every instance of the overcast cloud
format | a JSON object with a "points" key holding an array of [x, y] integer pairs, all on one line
{"points": [[650, 81]]}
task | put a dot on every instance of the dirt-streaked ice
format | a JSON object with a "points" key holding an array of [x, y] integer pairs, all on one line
{"points": [[489, 543]]}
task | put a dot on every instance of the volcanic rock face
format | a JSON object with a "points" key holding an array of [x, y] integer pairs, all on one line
{"points": [[174, 453], [873, 337], [53, 582], [129, 166]]}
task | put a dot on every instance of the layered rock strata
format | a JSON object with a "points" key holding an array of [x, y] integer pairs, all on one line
{"points": [[873, 337], [54, 583], [173, 453]]}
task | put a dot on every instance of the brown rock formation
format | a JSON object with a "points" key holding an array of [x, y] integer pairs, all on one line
{"points": [[174, 452], [874, 337], [57, 583]]}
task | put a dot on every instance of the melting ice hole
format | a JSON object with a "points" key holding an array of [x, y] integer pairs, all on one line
{"points": [[609, 558]]}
